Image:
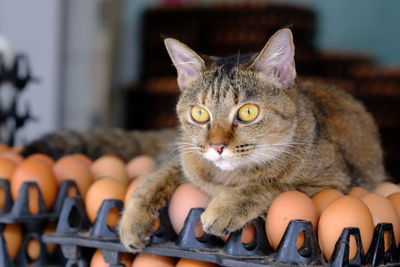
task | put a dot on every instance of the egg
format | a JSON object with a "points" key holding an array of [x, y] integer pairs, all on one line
{"points": [[71, 168], [151, 260], [33, 249], [285, 207], [14, 156], [12, 234], [386, 188], [140, 165], [248, 234], [43, 157], [3, 147], [3, 197], [98, 259], [17, 149], [185, 197], [110, 166], [357, 191], [83, 158], [395, 199], [50, 228], [7, 167], [346, 211], [382, 210], [194, 263], [131, 188], [41, 173], [100, 190], [324, 197]]}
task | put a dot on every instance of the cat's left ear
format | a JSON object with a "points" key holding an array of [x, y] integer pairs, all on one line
{"points": [[187, 62], [276, 59]]}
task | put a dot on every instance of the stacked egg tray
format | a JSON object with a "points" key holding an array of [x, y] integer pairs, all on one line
{"points": [[74, 232], [33, 224]]}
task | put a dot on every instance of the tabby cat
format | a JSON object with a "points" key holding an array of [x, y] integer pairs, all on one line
{"points": [[248, 132]]}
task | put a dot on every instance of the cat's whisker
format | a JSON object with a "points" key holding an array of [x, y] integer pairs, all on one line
{"points": [[176, 149], [181, 154], [271, 146], [281, 152], [184, 147], [267, 155]]}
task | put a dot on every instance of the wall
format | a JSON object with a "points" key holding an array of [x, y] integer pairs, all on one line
{"points": [[34, 29]]}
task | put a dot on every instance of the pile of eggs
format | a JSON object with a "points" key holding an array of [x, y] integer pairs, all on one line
{"points": [[109, 177], [329, 212]]}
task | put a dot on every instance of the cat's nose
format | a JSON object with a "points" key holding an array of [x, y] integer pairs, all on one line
{"points": [[218, 147]]}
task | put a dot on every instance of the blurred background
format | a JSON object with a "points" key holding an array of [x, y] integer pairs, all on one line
{"points": [[101, 63]]}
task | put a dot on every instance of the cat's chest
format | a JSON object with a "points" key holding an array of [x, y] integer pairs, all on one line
{"points": [[212, 180]]}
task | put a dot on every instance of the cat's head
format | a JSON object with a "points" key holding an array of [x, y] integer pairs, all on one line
{"points": [[240, 110]]}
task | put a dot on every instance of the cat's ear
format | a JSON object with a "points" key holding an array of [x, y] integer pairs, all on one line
{"points": [[187, 62], [276, 59]]}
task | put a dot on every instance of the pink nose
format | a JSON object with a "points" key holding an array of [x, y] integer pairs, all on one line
{"points": [[218, 147]]}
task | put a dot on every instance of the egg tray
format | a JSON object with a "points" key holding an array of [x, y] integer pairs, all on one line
{"points": [[74, 231], [18, 211], [33, 224], [24, 260]]}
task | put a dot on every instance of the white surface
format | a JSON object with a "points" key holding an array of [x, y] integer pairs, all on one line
{"points": [[33, 27], [7, 51]]}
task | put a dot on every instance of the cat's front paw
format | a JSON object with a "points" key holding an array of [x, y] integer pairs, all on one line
{"points": [[135, 228], [220, 220]]}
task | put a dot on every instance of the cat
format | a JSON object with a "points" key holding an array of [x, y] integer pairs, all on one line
{"points": [[248, 131]]}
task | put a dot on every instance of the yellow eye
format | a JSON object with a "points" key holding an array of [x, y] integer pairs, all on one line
{"points": [[247, 113], [200, 114]]}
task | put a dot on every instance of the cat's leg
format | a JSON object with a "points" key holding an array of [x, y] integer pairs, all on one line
{"points": [[138, 218], [233, 208]]}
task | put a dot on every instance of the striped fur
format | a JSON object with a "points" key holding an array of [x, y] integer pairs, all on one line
{"points": [[307, 137]]}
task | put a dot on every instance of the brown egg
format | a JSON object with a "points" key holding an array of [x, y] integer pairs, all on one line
{"points": [[323, 198], [395, 199], [3, 147], [110, 166], [386, 188], [12, 155], [382, 210], [83, 158], [131, 188], [43, 157], [17, 149], [41, 173], [71, 168], [185, 197], [248, 234], [194, 263], [357, 191], [346, 211], [12, 234], [33, 249], [100, 190], [284, 208], [98, 259], [50, 228], [151, 260], [7, 167], [141, 165]]}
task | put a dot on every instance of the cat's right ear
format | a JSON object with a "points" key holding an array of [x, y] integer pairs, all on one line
{"points": [[187, 62]]}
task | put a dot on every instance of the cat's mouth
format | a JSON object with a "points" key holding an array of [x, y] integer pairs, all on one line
{"points": [[225, 161], [228, 160]]}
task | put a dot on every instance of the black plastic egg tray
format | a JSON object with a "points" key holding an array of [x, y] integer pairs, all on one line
{"points": [[75, 232], [32, 224]]}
